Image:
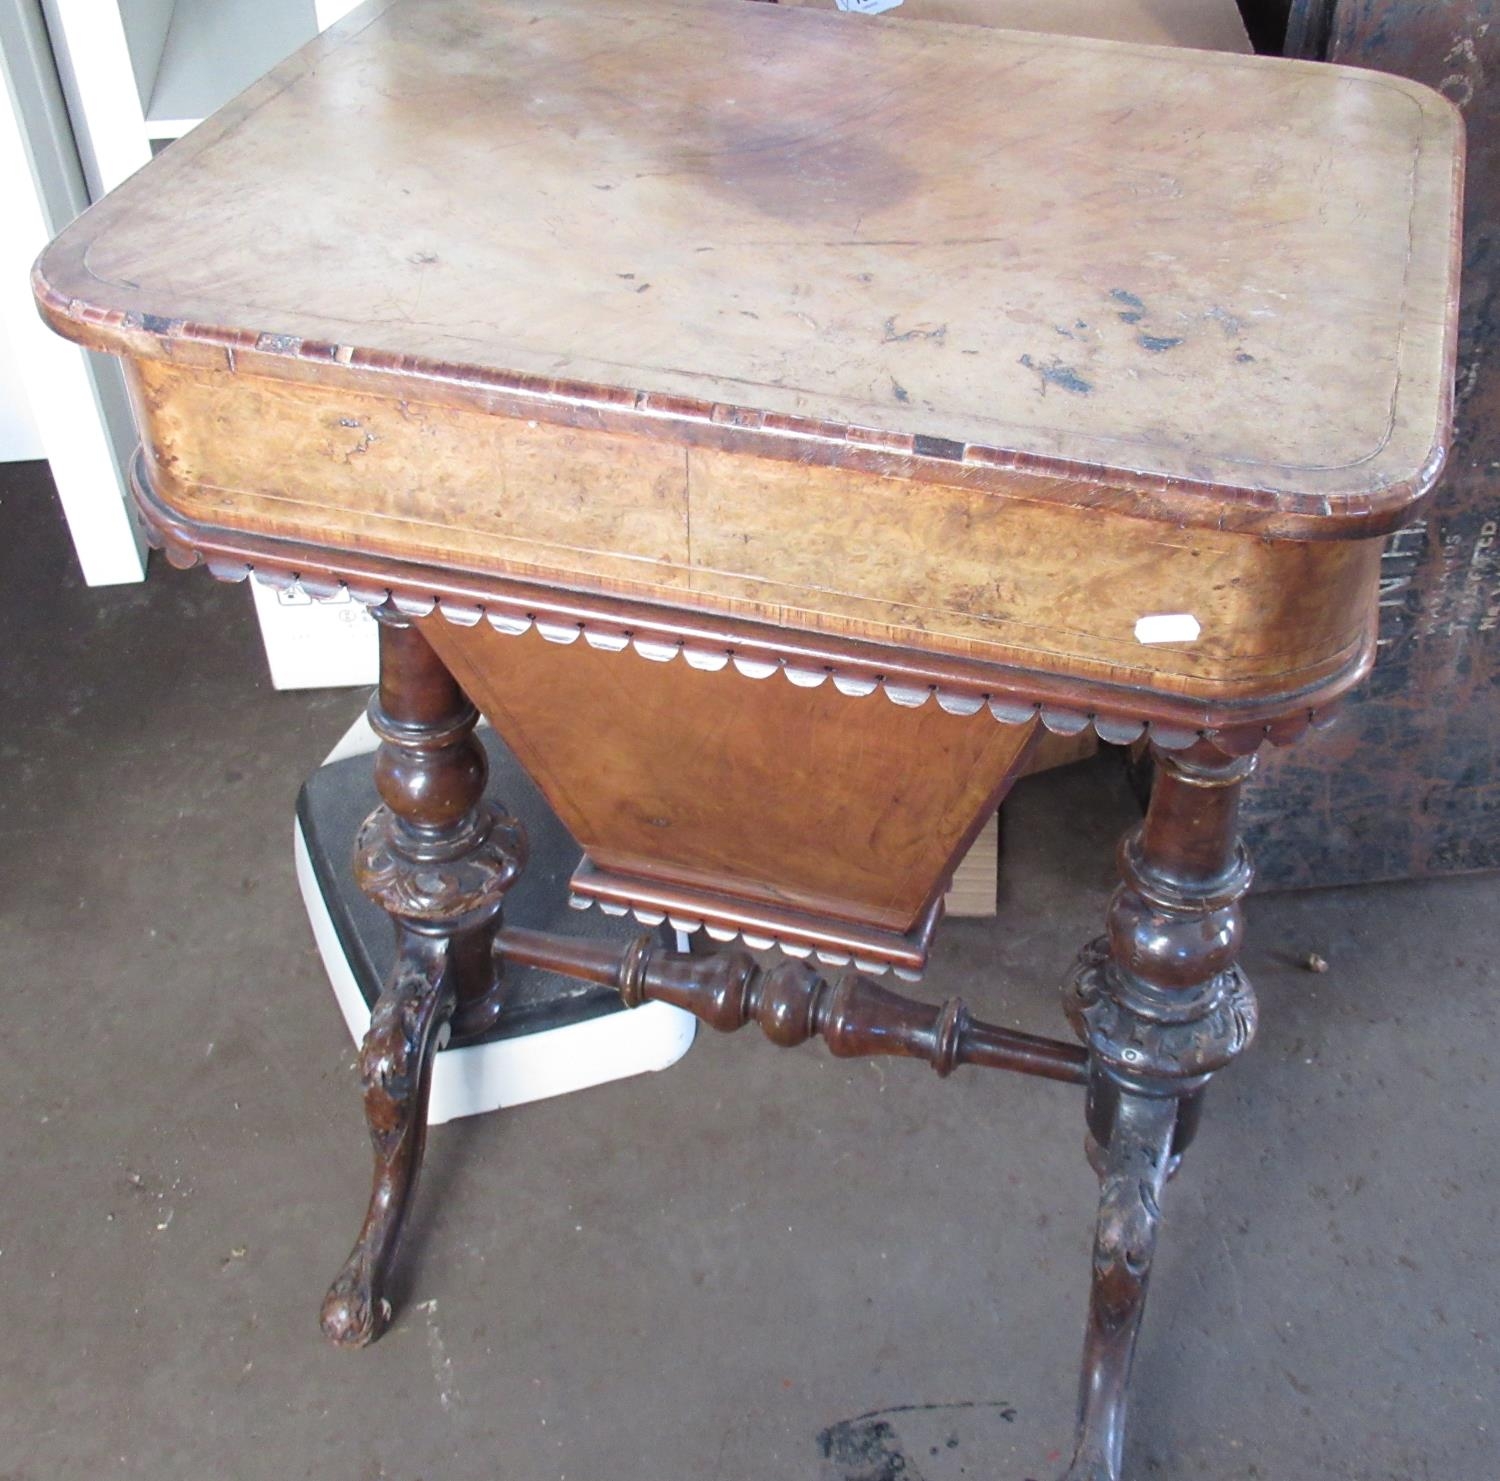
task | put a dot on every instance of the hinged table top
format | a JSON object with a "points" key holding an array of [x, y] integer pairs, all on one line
{"points": [[1129, 266]]}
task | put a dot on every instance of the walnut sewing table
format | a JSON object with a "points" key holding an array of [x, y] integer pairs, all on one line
{"points": [[773, 422]]}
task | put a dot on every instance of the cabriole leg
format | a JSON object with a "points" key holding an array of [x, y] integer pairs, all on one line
{"points": [[1161, 1005], [439, 858]]}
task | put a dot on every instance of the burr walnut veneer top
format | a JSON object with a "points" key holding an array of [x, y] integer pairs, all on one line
{"points": [[1140, 272]]}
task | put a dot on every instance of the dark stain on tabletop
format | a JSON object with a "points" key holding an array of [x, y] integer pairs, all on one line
{"points": [[1157, 343], [1226, 321], [890, 335], [799, 166], [1055, 373], [1132, 309]]}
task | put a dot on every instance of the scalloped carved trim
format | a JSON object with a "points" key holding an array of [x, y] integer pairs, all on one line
{"points": [[1008, 708], [756, 941]]}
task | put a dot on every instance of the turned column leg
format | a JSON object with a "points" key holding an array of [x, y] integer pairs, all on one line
{"points": [[1161, 1005], [438, 857]]}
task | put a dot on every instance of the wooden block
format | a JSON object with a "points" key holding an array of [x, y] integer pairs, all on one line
{"points": [[977, 878]]}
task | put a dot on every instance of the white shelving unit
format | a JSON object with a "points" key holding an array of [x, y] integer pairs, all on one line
{"points": [[138, 74], [143, 72], [78, 415], [211, 46]]}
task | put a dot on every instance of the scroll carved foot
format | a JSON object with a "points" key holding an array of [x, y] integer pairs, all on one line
{"points": [[1136, 1167], [396, 1070]]}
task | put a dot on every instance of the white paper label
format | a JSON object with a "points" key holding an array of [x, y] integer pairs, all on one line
{"points": [[867, 7], [1168, 627]]}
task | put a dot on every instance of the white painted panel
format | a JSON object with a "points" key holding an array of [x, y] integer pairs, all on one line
{"points": [[77, 400], [311, 644], [19, 438], [98, 78], [146, 25], [330, 11], [214, 50]]}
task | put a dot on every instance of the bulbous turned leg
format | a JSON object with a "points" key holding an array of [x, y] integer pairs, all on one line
{"points": [[1161, 1005], [439, 859]]}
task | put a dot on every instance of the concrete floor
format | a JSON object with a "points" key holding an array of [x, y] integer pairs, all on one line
{"points": [[715, 1274]]}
